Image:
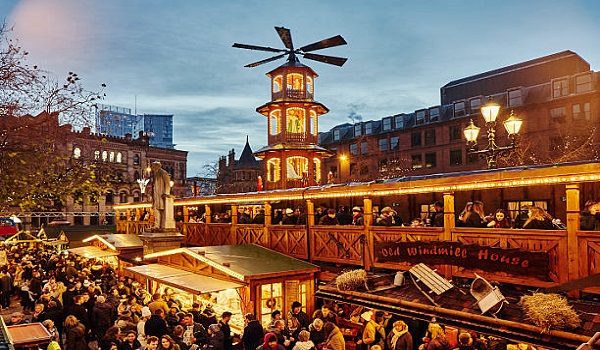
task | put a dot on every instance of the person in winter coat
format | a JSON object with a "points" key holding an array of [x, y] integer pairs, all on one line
{"points": [[538, 220], [317, 333], [303, 342], [589, 218], [329, 219], [270, 343], [111, 338], [130, 342], [224, 324], [253, 333], [373, 333], [399, 338], [436, 340], [103, 315], [465, 342], [156, 325], [334, 337], [75, 334], [216, 337]]}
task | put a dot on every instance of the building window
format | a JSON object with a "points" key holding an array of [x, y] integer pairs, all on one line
{"points": [[352, 168], [77, 153], [111, 157], [558, 113], [560, 87], [520, 207], [96, 155], [354, 149], [368, 128], [430, 160], [136, 159], [295, 120], [364, 147], [357, 130], [110, 198], [583, 83], [295, 81], [399, 122], [336, 135], [459, 109], [274, 170], [119, 157], [383, 144], [271, 293], [277, 82], [581, 111], [515, 98], [430, 137], [417, 161], [415, 139], [455, 132], [274, 122], [434, 114], [104, 156], [317, 169], [387, 124], [456, 157], [364, 170], [394, 143], [313, 123], [420, 117], [475, 105], [309, 85], [297, 167]]}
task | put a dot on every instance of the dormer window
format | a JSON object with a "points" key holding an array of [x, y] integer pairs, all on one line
{"points": [[357, 130], [387, 124], [583, 83], [420, 117], [399, 122], [368, 128], [434, 114], [560, 87], [336, 135], [475, 105], [309, 85], [459, 109]]}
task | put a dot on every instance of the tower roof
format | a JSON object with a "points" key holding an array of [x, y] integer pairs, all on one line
{"points": [[246, 158]]}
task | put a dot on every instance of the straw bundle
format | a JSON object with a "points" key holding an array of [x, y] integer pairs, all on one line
{"points": [[549, 311], [351, 280]]}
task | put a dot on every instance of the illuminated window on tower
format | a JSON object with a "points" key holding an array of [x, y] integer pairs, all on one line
{"points": [[295, 120], [277, 82], [274, 122], [317, 169], [296, 167], [273, 170], [295, 81]]}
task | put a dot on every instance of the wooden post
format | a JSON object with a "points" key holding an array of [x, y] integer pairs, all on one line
{"points": [[368, 251], [310, 212], [571, 271], [186, 214], [449, 224], [268, 214], [208, 216], [234, 214]]}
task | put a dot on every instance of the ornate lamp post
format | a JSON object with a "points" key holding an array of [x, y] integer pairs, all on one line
{"points": [[492, 151], [142, 183]]}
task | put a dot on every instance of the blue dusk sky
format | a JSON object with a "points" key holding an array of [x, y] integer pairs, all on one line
{"points": [[175, 57]]}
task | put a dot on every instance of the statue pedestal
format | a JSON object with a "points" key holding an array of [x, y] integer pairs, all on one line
{"points": [[157, 240]]}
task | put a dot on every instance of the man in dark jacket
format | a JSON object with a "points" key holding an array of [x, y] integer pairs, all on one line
{"points": [[224, 323], [302, 317], [79, 311], [194, 332], [156, 325], [103, 316], [253, 333]]}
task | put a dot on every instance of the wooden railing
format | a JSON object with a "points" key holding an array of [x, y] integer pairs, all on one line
{"points": [[354, 246]]}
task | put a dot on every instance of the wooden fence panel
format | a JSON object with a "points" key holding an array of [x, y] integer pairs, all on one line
{"points": [[219, 234], [289, 240], [337, 244], [195, 233], [248, 234], [589, 256]]}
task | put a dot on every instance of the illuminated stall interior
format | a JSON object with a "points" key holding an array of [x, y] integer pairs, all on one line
{"points": [[246, 278]]}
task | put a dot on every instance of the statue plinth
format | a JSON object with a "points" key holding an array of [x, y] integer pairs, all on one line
{"points": [[157, 239]]}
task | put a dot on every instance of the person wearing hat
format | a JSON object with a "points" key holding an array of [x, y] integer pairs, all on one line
{"points": [[141, 334], [357, 217], [289, 218], [386, 218], [373, 333], [216, 338], [300, 315], [270, 343], [329, 219]]}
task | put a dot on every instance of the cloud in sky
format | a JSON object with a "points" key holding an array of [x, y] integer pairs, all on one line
{"points": [[176, 57]]}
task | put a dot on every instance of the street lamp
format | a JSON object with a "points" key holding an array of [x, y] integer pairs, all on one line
{"points": [[142, 183], [491, 153]]}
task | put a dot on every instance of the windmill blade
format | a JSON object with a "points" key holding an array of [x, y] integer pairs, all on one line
{"points": [[251, 65], [325, 43], [338, 61], [286, 37], [258, 48]]}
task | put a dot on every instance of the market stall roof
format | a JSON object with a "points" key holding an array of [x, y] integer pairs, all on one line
{"points": [[459, 309], [117, 241], [182, 279], [93, 252], [244, 261]]}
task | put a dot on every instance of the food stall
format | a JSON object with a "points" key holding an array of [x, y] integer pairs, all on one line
{"points": [[236, 278]]}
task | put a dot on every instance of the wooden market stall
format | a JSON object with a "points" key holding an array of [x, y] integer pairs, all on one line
{"points": [[246, 278]]}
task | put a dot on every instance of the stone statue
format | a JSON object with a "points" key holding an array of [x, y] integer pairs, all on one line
{"points": [[161, 188]]}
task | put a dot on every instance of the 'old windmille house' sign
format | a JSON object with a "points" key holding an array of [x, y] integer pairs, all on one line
{"points": [[510, 260]]}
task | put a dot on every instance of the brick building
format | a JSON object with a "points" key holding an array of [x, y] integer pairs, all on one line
{"points": [[236, 176], [125, 158], [556, 96]]}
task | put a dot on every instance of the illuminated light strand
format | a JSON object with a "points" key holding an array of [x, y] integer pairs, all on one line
{"points": [[108, 244]]}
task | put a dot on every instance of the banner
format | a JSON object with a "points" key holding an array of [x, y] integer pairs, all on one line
{"points": [[510, 260]]}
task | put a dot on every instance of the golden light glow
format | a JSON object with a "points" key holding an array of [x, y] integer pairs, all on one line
{"points": [[295, 81], [295, 120], [343, 157], [274, 170], [317, 163], [104, 241]]}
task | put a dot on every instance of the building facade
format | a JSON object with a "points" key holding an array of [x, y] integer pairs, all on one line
{"points": [[126, 159], [119, 121], [556, 96]]}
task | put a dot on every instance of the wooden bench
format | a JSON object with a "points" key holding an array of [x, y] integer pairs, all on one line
{"points": [[436, 283]]}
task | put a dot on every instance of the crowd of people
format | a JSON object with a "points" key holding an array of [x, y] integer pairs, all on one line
{"points": [[87, 305]]}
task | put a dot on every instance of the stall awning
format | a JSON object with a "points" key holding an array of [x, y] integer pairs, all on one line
{"points": [[184, 280], [92, 252]]}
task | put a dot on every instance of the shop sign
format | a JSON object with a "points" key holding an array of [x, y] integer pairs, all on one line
{"points": [[493, 259]]}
